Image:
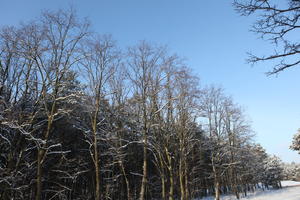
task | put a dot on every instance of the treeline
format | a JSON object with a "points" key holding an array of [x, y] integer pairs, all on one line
{"points": [[82, 119], [291, 171]]}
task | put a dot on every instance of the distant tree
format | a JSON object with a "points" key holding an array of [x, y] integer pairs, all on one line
{"points": [[186, 103], [296, 142], [251, 170], [213, 112], [291, 171], [273, 172], [238, 133], [278, 22]]}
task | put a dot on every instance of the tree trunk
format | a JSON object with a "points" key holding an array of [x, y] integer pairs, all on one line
{"points": [[163, 188], [42, 155], [217, 189], [171, 192], [171, 178], [145, 132], [95, 144], [39, 175], [162, 177], [126, 180], [181, 180], [186, 180], [144, 179], [97, 170], [216, 181]]}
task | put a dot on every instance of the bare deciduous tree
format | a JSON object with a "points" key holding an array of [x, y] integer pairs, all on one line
{"points": [[58, 38], [101, 60], [144, 63], [279, 23]]}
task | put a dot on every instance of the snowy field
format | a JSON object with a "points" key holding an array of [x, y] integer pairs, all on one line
{"points": [[289, 183], [290, 191]]}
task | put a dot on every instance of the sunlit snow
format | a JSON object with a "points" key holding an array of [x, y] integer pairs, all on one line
{"points": [[290, 191]]}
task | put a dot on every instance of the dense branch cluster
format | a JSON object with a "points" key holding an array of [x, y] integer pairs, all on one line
{"points": [[278, 21], [81, 119]]}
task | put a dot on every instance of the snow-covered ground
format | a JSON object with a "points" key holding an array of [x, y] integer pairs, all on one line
{"points": [[289, 183], [290, 191]]}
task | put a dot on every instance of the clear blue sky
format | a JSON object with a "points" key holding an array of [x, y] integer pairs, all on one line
{"points": [[214, 40]]}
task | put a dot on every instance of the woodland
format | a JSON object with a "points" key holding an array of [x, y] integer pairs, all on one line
{"points": [[81, 118]]}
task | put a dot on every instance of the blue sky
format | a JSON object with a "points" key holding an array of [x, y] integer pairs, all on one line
{"points": [[213, 39]]}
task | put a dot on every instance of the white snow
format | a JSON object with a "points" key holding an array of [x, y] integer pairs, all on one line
{"points": [[289, 183], [290, 191]]}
